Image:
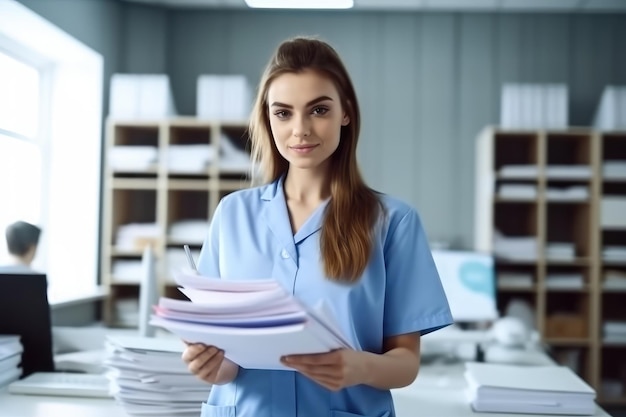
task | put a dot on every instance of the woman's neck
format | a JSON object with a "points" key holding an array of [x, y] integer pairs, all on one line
{"points": [[305, 187]]}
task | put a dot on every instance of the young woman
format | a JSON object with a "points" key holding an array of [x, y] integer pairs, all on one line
{"points": [[318, 229]]}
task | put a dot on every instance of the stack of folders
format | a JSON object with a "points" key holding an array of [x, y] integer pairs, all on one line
{"points": [[254, 322], [11, 349], [528, 389], [149, 378]]}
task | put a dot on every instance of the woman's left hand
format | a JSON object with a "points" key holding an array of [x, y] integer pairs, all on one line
{"points": [[334, 370]]}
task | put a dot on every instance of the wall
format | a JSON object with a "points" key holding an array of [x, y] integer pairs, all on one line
{"points": [[427, 83]]}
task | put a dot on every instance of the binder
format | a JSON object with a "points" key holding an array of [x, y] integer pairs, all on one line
{"points": [[528, 389]]}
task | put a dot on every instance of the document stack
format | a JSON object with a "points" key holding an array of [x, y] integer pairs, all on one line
{"points": [[255, 322], [149, 378], [528, 389], [11, 349]]}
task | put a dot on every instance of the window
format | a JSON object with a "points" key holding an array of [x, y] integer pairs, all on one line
{"points": [[20, 154], [50, 146]]}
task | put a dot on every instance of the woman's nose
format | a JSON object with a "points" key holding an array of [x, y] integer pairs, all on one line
{"points": [[301, 127]]}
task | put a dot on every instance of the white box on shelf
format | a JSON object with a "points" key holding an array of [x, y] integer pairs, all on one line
{"points": [[223, 97], [611, 111], [531, 106], [612, 209], [141, 96]]}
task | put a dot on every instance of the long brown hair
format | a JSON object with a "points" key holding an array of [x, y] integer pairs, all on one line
{"points": [[354, 208]]}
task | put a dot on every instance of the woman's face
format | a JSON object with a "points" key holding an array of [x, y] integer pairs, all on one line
{"points": [[305, 116]]}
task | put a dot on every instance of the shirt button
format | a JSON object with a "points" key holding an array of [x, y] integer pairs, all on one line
{"points": [[284, 254]]}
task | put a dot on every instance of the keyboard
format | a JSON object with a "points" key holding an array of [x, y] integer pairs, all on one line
{"points": [[63, 384]]}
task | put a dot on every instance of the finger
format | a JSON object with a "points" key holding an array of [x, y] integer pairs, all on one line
{"points": [[315, 359], [316, 371], [191, 352], [330, 383], [211, 367], [202, 359]]}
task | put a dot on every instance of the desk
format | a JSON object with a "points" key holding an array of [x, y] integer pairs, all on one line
{"points": [[437, 392], [40, 406]]}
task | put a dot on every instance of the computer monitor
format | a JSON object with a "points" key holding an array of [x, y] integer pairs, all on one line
{"points": [[468, 279], [24, 311]]}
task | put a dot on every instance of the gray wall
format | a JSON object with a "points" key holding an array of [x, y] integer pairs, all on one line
{"points": [[427, 82]]}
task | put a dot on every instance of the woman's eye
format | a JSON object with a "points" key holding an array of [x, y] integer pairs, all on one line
{"points": [[281, 114], [320, 111]]}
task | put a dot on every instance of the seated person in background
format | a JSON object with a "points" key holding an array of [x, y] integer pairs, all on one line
{"points": [[22, 241]]}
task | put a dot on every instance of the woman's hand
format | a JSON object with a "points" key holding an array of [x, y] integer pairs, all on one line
{"points": [[396, 367], [333, 370], [208, 364]]}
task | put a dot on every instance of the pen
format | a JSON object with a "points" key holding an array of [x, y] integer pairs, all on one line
{"points": [[192, 264]]}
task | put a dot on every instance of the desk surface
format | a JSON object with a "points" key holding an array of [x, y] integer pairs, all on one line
{"points": [[437, 392]]}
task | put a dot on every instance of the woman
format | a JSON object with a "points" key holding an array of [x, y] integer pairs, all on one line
{"points": [[319, 230]]}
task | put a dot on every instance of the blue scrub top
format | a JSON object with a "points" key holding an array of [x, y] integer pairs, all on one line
{"points": [[400, 292]]}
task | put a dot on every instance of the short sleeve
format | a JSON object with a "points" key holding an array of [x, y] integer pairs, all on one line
{"points": [[415, 300], [209, 260]]}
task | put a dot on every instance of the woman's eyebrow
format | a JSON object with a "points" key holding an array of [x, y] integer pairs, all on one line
{"points": [[310, 103]]}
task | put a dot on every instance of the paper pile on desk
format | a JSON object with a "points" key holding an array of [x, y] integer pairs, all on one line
{"points": [[149, 378], [255, 322], [528, 389], [11, 349]]}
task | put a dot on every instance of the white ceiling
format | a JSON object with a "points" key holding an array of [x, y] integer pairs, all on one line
{"points": [[563, 6]]}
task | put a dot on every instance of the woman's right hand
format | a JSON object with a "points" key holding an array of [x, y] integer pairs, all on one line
{"points": [[208, 364]]}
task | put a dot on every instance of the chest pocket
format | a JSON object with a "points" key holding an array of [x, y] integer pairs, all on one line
{"points": [[217, 410], [345, 414]]}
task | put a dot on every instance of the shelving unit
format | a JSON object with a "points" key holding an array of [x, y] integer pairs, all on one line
{"points": [[538, 210], [181, 176], [612, 309]]}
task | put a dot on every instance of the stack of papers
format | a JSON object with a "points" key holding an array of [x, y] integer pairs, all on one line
{"points": [[254, 322], [528, 389], [11, 349], [149, 378]]}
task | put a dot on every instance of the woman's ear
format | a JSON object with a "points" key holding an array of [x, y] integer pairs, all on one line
{"points": [[346, 120]]}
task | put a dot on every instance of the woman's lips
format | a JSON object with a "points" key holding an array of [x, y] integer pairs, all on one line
{"points": [[302, 149]]}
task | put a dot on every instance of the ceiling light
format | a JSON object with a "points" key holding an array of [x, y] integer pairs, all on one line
{"points": [[300, 4]]}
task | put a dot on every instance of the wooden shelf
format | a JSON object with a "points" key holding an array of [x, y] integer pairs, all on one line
{"points": [[575, 221], [612, 401], [157, 199], [134, 183], [574, 342]]}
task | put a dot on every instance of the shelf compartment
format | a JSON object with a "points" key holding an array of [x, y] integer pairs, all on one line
{"points": [[171, 290], [569, 148], [567, 316], [191, 151], [614, 146], [517, 219], [513, 278], [613, 318], [505, 298], [132, 135], [613, 279], [568, 224], [567, 278], [613, 368], [516, 149], [613, 241], [134, 210], [184, 205]]}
